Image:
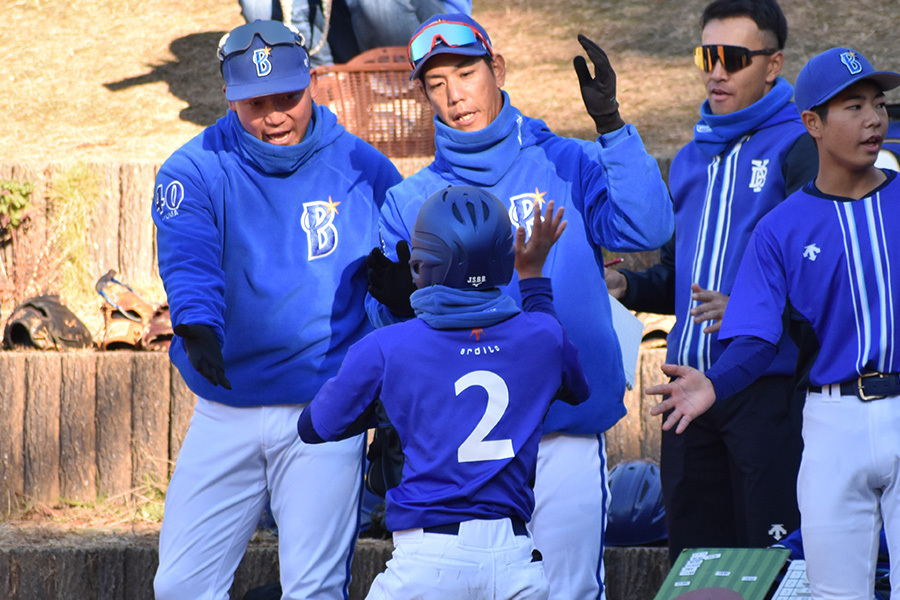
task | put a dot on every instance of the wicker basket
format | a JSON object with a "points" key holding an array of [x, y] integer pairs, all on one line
{"points": [[374, 99]]}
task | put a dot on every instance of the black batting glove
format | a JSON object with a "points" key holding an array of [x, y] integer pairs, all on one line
{"points": [[391, 283], [599, 91], [202, 347]]}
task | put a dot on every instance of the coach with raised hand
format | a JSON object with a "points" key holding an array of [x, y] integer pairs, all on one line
{"points": [[263, 224], [731, 479], [614, 198]]}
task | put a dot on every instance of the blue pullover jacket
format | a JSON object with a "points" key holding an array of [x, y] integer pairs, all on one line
{"points": [[267, 245], [614, 198]]}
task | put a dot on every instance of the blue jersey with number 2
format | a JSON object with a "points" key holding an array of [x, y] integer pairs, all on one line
{"points": [[467, 404]]}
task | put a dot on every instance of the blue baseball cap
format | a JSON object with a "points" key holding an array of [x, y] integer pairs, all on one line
{"points": [[450, 33], [826, 74], [263, 58]]}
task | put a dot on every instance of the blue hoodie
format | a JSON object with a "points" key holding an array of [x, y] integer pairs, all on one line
{"points": [[267, 244], [614, 198], [722, 183]]}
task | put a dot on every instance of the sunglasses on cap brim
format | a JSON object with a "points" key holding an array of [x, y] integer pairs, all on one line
{"points": [[272, 33], [446, 32], [733, 58]]}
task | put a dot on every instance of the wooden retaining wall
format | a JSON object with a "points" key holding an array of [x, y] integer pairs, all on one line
{"points": [[123, 569], [119, 230], [88, 425]]}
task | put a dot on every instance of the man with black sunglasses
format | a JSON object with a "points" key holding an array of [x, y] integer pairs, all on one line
{"points": [[614, 198], [731, 479], [263, 224]]}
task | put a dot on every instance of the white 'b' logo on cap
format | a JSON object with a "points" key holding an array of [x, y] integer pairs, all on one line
{"points": [[261, 60], [849, 60]]}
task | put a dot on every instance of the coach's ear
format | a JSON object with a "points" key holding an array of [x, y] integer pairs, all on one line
{"points": [[813, 123], [314, 85]]}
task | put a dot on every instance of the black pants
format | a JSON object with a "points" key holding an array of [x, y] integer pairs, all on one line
{"points": [[730, 480]]}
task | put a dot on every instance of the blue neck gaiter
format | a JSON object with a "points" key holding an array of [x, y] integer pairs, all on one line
{"points": [[449, 308], [276, 160], [713, 133], [480, 157]]}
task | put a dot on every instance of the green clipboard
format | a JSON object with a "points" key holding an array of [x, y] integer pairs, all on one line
{"points": [[748, 571]]}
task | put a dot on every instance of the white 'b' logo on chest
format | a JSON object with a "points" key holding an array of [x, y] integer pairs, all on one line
{"points": [[758, 176]]}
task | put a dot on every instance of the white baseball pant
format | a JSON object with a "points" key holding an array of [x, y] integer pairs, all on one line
{"points": [[571, 496], [484, 561], [231, 462], [849, 485]]}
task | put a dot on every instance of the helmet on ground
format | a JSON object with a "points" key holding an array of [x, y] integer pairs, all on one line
{"points": [[463, 239], [636, 511]]}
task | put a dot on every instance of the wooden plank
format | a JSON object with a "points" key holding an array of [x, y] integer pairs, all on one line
{"points": [[6, 256], [136, 255], [43, 380], [651, 428], [26, 274], [150, 418], [180, 413], [103, 220], [114, 423], [12, 430], [77, 427], [140, 566]]}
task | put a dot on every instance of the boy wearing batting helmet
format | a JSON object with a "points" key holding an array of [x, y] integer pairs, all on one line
{"points": [[827, 255], [263, 223], [466, 385], [615, 198], [729, 481]]}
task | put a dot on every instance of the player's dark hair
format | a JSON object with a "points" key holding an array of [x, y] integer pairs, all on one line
{"points": [[765, 13], [822, 111]]}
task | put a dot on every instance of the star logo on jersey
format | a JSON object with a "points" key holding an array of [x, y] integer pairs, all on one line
{"points": [[758, 176], [811, 252], [317, 221], [332, 205], [522, 207], [476, 333]]}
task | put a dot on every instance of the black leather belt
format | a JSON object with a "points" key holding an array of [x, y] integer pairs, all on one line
{"points": [[518, 526], [871, 386]]}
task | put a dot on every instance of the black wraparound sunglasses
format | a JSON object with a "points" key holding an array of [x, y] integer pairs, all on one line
{"points": [[733, 58]]}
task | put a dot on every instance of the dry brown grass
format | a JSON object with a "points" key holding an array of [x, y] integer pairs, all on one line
{"points": [[130, 81]]}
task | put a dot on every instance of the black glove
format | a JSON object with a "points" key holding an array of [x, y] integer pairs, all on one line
{"points": [[598, 92], [202, 347], [391, 283]]}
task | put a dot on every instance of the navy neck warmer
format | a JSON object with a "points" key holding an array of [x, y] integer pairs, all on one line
{"points": [[449, 308]]}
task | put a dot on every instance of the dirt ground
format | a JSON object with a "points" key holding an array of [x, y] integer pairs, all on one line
{"points": [[130, 81]]}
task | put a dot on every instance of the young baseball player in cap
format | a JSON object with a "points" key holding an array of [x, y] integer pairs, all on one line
{"points": [[614, 198], [263, 224], [828, 256], [466, 385]]}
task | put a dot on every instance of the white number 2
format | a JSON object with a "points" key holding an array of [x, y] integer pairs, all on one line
{"points": [[475, 447]]}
